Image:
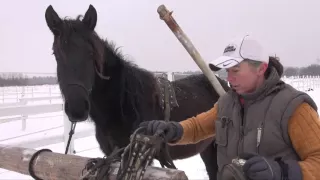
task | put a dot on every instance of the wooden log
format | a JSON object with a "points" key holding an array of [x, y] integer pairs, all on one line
{"points": [[166, 16], [54, 166]]}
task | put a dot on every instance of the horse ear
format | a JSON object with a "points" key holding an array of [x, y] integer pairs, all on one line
{"points": [[90, 18], [53, 20]]}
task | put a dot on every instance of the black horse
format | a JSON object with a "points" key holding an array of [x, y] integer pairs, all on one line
{"points": [[96, 81]]}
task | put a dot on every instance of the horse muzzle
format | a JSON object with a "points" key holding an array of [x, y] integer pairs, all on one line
{"points": [[77, 103]]}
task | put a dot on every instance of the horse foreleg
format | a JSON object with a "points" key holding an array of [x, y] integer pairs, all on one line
{"points": [[209, 158]]}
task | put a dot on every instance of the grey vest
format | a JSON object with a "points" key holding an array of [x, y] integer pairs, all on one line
{"points": [[265, 121]]}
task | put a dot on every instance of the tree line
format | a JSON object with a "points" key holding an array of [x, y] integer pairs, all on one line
{"points": [[18, 79], [311, 70]]}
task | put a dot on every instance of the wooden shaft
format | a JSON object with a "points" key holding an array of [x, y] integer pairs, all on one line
{"points": [[166, 16], [56, 166]]}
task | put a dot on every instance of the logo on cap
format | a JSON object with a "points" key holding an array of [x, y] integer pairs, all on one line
{"points": [[226, 64], [230, 48]]}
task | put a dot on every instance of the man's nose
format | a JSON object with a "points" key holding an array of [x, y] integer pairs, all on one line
{"points": [[230, 78]]}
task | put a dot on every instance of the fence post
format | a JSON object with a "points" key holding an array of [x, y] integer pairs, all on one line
{"points": [[3, 94], [66, 130], [17, 93], [24, 122], [170, 76], [23, 117], [50, 93], [32, 95]]}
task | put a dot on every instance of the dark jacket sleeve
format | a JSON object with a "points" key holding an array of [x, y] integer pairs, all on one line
{"points": [[199, 127], [304, 132]]}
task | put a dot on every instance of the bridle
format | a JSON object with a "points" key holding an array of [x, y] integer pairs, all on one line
{"points": [[73, 123], [88, 91]]}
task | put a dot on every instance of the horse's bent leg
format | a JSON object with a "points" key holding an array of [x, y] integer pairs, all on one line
{"points": [[209, 158], [207, 152], [105, 143]]}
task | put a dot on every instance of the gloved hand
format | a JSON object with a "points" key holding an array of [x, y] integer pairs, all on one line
{"points": [[260, 168], [172, 131]]}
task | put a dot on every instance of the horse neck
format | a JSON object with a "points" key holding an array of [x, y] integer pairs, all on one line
{"points": [[129, 96]]}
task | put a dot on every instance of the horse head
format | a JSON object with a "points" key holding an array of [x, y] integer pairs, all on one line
{"points": [[78, 55]]}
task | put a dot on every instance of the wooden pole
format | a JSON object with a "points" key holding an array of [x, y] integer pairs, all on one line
{"points": [[187, 44], [56, 166]]}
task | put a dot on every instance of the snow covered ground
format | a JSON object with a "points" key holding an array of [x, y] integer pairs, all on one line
{"points": [[88, 146]]}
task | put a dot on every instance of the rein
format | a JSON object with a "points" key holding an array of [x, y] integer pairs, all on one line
{"points": [[134, 158], [73, 123], [71, 132]]}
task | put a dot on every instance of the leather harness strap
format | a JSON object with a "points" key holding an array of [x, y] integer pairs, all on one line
{"points": [[167, 96]]}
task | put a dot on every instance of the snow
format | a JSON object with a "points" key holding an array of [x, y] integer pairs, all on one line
{"points": [[88, 146]]}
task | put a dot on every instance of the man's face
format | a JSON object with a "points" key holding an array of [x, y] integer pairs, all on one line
{"points": [[244, 77]]}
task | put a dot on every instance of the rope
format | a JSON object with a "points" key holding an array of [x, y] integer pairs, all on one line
{"points": [[33, 157], [36, 154]]}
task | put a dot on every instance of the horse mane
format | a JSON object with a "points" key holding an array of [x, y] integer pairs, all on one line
{"points": [[136, 84]]}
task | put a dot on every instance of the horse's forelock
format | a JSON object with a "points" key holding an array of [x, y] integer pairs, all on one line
{"points": [[93, 39], [58, 49]]}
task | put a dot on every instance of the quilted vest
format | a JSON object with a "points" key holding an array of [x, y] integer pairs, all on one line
{"points": [[262, 125]]}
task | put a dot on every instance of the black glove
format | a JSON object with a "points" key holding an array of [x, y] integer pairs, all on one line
{"points": [[172, 131], [260, 168]]}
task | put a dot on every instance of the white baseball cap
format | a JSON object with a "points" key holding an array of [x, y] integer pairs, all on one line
{"points": [[238, 50]]}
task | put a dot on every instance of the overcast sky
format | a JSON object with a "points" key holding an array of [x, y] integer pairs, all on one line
{"points": [[288, 28]]}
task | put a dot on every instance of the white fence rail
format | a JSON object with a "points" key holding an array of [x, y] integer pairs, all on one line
{"points": [[304, 83], [26, 103]]}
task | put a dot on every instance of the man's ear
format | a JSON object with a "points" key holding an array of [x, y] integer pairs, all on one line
{"points": [[262, 68]]}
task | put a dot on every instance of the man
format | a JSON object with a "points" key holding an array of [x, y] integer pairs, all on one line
{"points": [[271, 125]]}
